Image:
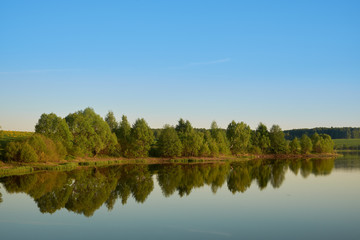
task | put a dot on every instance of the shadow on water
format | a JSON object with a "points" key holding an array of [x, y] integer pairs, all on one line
{"points": [[86, 190]]}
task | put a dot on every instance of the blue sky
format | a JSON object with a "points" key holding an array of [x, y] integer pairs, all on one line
{"points": [[292, 63]]}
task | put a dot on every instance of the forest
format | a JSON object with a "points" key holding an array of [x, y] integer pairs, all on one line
{"points": [[85, 133], [335, 133]]}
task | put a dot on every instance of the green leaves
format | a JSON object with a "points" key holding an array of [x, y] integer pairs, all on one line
{"points": [[239, 137], [92, 135], [169, 143], [141, 138]]}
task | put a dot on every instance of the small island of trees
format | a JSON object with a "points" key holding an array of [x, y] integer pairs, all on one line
{"points": [[86, 134]]}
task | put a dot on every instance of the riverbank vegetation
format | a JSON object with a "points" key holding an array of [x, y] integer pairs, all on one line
{"points": [[86, 134]]}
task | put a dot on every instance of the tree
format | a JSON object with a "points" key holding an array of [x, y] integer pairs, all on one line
{"points": [[169, 142], [322, 143], [262, 139], [219, 136], [123, 135], [190, 139], [239, 137], [55, 128], [92, 135], [306, 144], [141, 139], [111, 121], [295, 146], [277, 140], [211, 144]]}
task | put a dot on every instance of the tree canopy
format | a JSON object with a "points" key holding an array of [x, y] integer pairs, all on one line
{"points": [[92, 135]]}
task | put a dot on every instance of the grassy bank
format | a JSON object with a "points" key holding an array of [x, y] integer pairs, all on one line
{"points": [[347, 144]]}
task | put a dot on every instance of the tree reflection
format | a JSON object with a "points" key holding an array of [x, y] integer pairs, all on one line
{"points": [[86, 190]]}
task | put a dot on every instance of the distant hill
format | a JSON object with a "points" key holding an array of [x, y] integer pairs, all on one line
{"points": [[335, 133]]}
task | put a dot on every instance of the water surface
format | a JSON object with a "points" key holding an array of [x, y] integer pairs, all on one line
{"points": [[272, 199]]}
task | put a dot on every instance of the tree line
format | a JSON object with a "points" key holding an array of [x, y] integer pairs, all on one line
{"points": [[85, 133], [335, 133]]}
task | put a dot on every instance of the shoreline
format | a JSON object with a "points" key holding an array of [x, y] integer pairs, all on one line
{"points": [[8, 169]]}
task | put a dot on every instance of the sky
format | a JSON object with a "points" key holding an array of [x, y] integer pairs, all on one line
{"points": [[291, 63]]}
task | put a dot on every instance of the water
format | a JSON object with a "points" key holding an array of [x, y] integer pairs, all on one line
{"points": [[270, 199]]}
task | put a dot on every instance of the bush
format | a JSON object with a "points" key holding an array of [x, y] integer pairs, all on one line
{"points": [[34, 149], [27, 153], [12, 151]]}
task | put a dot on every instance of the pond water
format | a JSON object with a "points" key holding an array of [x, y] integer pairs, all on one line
{"points": [[260, 199]]}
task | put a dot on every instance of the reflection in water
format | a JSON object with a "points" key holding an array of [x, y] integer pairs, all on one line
{"points": [[86, 190]]}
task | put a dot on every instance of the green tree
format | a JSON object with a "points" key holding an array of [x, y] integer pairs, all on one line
{"points": [[12, 151], [169, 142], [28, 154], [295, 146], [306, 144], [322, 143], [262, 139], [123, 135], [92, 135], [141, 139], [211, 144], [190, 139], [111, 121], [219, 136], [55, 128], [204, 148], [239, 137], [277, 140]]}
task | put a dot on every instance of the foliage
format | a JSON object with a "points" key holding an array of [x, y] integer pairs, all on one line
{"points": [[169, 142], [295, 146], [322, 143], [334, 132], [278, 143], [261, 138], [92, 135], [306, 144], [141, 139], [34, 149], [85, 133], [219, 136], [190, 139], [55, 128], [239, 137], [123, 135], [111, 121]]}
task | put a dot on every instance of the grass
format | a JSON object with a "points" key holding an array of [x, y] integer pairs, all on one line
{"points": [[60, 167], [15, 171], [352, 144]]}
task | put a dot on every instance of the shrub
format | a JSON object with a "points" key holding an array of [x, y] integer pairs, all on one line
{"points": [[28, 154]]}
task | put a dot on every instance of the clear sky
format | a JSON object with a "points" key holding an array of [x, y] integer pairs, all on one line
{"points": [[292, 63]]}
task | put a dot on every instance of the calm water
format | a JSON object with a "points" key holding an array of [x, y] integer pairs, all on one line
{"points": [[271, 199]]}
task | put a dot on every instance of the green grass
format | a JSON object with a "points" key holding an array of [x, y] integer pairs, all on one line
{"points": [[15, 171], [61, 167], [352, 144], [101, 163]]}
